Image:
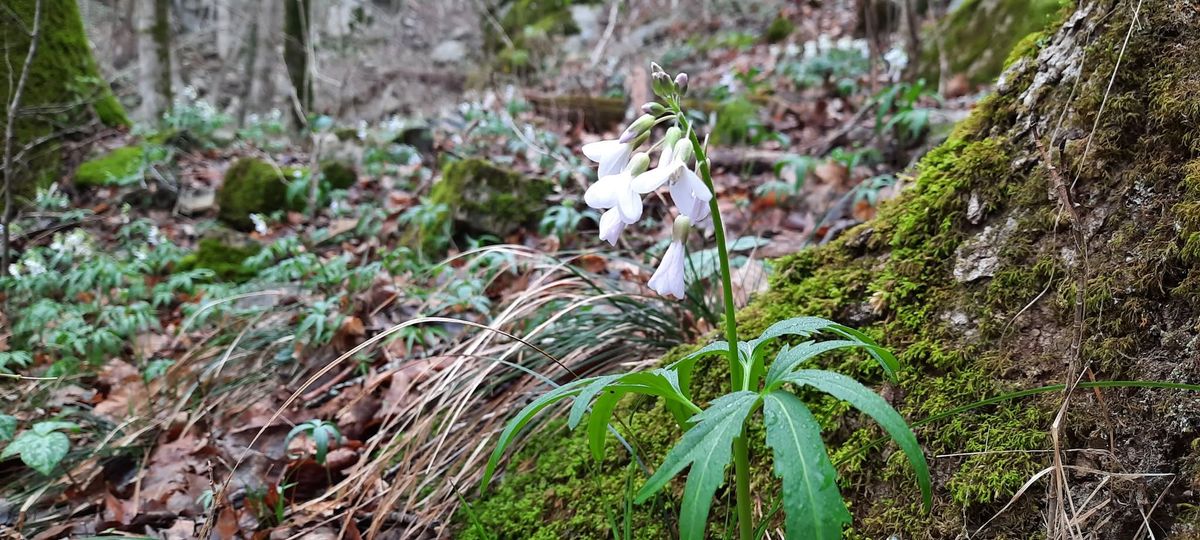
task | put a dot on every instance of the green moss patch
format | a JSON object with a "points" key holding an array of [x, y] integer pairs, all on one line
{"points": [[251, 186], [338, 175], [224, 259], [977, 37], [119, 167], [483, 198]]}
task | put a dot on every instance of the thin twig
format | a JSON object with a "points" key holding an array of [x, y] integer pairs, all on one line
{"points": [[9, 114]]}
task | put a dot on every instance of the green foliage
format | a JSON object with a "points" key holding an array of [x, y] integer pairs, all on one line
{"points": [[563, 220], [121, 166], [322, 434], [710, 432], [908, 122], [194, 116], [738, 122], [43, 447], [63, 72], [8, 427], [779, 29], [251, 186], [836, 67], [221, 259]]}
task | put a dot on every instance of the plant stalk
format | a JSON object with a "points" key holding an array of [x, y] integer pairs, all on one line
{"points": [[741, 451]]}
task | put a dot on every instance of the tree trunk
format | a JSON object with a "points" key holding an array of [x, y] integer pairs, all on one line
{"points": [[262, 59], [1054, 238], [154, 58], [296, 27], [64, 97]]}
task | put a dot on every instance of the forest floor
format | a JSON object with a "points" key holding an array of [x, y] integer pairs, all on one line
{"points": [[345, 369]]}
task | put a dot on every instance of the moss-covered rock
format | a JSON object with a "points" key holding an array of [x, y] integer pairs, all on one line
{"points": [[252, 186], [779, 29], [121, 166], [483, 198], [63, 71], [975, 39], [1106, 281], [338, 175], [223, 257]]}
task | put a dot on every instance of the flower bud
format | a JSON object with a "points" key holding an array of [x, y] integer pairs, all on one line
{"points": [[673, 135], [681, 83], [680, 229], [682, 150], [662, 84], [638, 163], [654, 108], [638, 127]]}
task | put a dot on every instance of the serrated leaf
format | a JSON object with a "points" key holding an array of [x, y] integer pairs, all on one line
{"points": [[523, 417], [867, 401], [40, 451], [8, 427], [814, 505], [706, 448]]}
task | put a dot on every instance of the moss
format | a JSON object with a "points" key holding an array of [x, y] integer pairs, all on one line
{"points": [[520, 17], [978, 35], [63, 71], [779, 29], [224, 259], [251, 186], [483, 198], [118, 167], [1026, 48], [1136, 193], [735, 118], [338, 175]]}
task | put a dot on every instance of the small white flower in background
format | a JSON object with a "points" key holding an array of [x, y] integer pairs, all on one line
{"points": [[260, 225], [14, 270], [153, 236], [616, 191], [668, 279]]}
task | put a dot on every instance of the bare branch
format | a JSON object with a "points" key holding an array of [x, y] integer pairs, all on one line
{"points": [[10, 113]]}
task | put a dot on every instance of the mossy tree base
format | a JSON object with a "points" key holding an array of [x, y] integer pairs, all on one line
{"points": [[63, 72], [1120, 302]]}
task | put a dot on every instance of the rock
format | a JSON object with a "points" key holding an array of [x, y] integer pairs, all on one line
{"points": [[196, 201], [979, 257], [252, 186], [449, 52], [482, 198], [119, 167], [977, 36]]}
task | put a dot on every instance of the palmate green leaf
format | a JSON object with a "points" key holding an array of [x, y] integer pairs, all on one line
{"points": [[863, 399], [523, 417], [684, 366], [807, 326], [790, 357], [660, 382], [706, 448], [815, 508], [40, 451]]}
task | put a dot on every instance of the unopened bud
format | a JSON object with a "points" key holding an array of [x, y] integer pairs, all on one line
{"points": [[655, 68], [681, 83], [638, 163], [682, 150], [662, 84], [654, 108], [680, 229], [638, 127], [673, 135]]}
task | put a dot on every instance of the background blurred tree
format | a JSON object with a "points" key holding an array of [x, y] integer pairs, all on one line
{"points": [[296, 54], [154, 57]]}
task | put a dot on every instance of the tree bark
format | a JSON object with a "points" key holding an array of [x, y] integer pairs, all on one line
{"points": [[65, 96], [296, 27], [154, 58]]}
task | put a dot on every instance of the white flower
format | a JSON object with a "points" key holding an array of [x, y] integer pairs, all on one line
{"points": [[14, 270], [668, 278], [616, 191], [260, 225], [688, 191], [611, 226], [612, 155]]}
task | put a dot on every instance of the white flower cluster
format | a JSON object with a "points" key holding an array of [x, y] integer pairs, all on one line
{"points": [[625, 176], [75, 244]]}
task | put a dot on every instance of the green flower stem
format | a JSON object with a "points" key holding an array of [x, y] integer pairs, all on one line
{"points": [[741, 451]]}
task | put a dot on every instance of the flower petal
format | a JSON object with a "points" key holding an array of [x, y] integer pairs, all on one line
{"points": [[603, 194], [629, 203], [653, 179], [694, 183], [596, 151], [668, 278], [611, 226], [615, 161]]}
